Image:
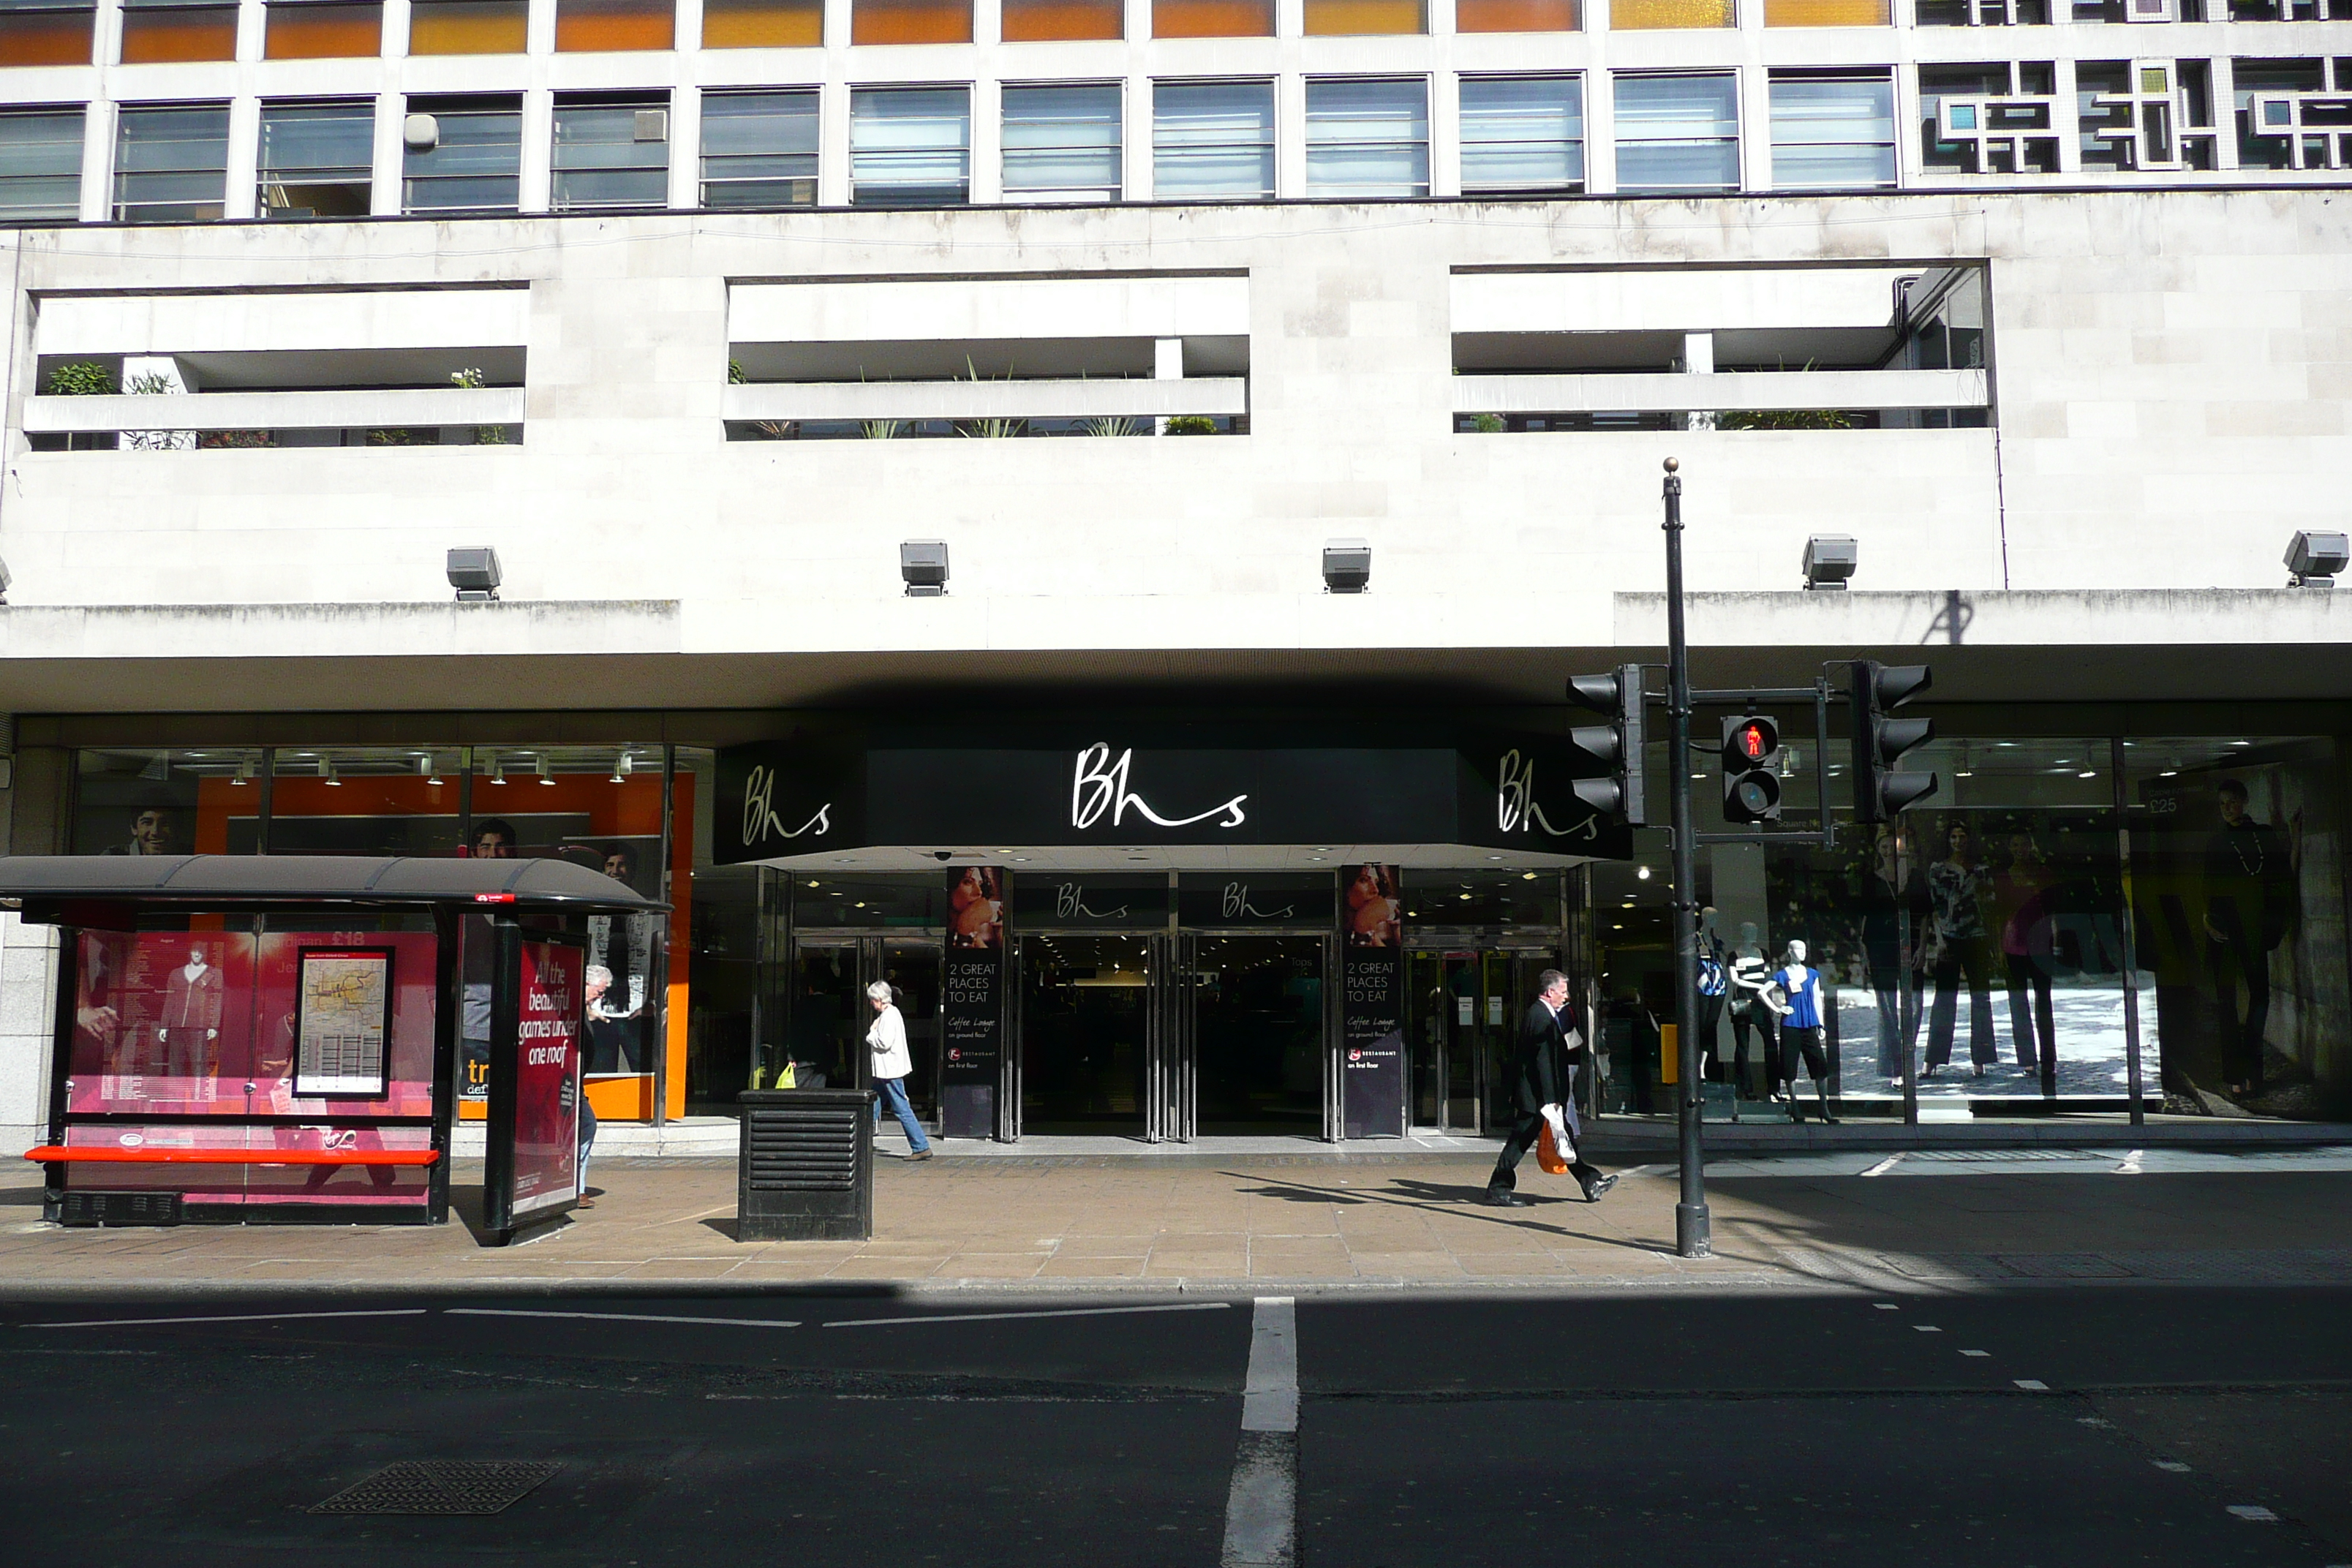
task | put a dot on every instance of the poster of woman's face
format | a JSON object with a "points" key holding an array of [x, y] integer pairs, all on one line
{"points": [[976, 907], [1375, 914]]}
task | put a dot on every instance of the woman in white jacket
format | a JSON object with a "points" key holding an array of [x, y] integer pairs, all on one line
{"points": [[892, 1062]]}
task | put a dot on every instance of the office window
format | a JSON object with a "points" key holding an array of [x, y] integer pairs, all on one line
{"points": [[1631, 15], [611, 154], [467, 26], [322, 30], [1212, 18], [1515, 17], [1061, 143], [155, 31], [40, 165], [476, 165], [1832, 131], [593, 27], [47, 32], [909, 146], [171, 163], [1522, 133], [762, 24], [1326, 18], [759, 149], [910, 21], [1046, 21], [1677, 134], [1367, 137], [317, 159], [1212, 140]]}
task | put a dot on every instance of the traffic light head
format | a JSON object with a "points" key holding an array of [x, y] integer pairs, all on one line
{"points": [[1615, 746], [1751, 784], [1880, 790]]}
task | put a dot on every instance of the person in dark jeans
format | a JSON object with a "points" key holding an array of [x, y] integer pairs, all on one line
{"points": [[2250, 903], [1955, 884], [2022, 892], [1543, 1073], [1890, 890]]}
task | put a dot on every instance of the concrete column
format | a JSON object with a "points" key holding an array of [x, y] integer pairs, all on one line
{"points": [[239, 200], [685, 144]]}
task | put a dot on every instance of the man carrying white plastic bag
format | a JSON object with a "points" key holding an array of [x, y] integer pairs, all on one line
{"points": [[1543, 1078]]}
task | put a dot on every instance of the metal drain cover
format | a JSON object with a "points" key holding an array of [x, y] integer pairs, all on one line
{"points": [[441, 1485]]}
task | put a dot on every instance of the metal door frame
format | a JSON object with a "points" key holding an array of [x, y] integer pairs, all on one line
{"points": [[856, 941], [873, 965], [1171, 1065]]}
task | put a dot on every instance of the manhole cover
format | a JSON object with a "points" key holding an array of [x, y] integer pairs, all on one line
{"points": [[441, 1485]]}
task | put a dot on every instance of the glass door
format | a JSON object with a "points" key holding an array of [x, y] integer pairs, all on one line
{"points": [[913, 970], [828, 1018], [1257, 1032], [1086, 1032]]}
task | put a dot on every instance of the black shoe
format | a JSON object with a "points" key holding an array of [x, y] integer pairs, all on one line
{"points": [[1597, 1188], [1503, 1198]]}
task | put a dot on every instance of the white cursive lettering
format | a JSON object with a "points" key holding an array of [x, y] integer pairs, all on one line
{"points": [[1099, 786], [1236, 906], [1070, 902], [759, 819], [1517, 808]]}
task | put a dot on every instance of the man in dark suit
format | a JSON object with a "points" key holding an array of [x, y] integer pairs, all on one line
{"points": [[1543, 1072]]}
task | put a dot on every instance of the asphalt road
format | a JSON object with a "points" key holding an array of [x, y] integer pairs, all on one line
{"points": [[1824, 1429]]}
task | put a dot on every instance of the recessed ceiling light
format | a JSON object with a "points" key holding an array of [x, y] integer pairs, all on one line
{"points": [[2088, 774], [1642, 872]]}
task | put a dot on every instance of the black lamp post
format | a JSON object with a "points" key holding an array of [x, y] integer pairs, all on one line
{"points": [[1691, 1227]]}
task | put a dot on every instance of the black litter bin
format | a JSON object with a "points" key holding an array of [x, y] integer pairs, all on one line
{"points": [[807, 1168]]}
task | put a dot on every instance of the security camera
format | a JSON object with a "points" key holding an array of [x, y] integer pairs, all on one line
{"points": [[942, 854]]}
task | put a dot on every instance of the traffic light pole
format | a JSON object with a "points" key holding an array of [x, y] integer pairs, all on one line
{"points": [[1691, 1227]]}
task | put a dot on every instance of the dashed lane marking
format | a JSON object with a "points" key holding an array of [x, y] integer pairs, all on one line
{"points": [[228, 1318], [622, 1317], [1003, 1317]]}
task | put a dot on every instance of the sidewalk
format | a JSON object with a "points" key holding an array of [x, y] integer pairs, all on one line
{"points": [[1928, 1220]]}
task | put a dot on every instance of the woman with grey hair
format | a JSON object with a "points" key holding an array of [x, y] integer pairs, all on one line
{"points": [[892, 1062]]}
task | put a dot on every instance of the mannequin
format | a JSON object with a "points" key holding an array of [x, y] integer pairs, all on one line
{"points": [[192, 1015], [1714, 980], [1800, 1031], [1753, 1005]]}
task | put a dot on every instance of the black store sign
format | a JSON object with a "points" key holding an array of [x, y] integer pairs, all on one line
{"points": [[1114, 784]]}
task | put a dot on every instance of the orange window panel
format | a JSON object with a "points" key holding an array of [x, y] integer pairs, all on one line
{"points": [[1826, 13], [762, 24], [153, 34], [1048, 21], [1634, 14], [323, 32], [1329, 18], [910, 22], [1212, 18], [1515, 17], [47, 38], [467, 26], [608, 27]]}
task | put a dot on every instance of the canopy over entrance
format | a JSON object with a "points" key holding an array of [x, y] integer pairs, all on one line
{"points": [[60, 889]]}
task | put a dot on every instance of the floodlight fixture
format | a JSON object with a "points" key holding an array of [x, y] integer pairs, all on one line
{"points": [[2316, 558], [474, 572], [1347, 566], [923, 564], [1830, 560]]}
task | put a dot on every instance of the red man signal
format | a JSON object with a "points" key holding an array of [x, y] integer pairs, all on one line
{"points": [[1751, 756]]}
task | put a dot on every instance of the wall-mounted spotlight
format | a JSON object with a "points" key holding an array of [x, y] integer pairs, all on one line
{"points": [[327, 774], [923, 562], [542, 770], [246, 771], [499, 774], [427, 771], [474, 572], [623, 767], [1830, 560], [2316, 558], [1347, 566]]}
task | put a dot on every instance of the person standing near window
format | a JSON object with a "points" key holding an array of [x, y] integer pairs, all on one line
{"points": [[1957, 886], [2251, 903], [892, 1062]]}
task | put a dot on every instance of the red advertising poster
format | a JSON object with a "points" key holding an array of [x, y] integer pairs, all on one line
{"points": [[547, 1076]]}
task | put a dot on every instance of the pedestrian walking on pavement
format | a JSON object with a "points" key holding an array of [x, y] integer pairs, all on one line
{"points": [[892, 1062], [1543, 1080]]}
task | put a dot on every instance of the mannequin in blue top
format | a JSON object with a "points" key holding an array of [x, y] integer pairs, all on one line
{"points": [[1800, 1031]]}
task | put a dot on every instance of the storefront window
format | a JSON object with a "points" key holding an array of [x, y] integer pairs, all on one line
{"points": [[165, 801], [2237, 868], [1481, 899]]}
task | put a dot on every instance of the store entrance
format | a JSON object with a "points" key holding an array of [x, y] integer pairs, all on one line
{"points": [[1464, 1008], [829, 1014], [1258, 1034], [1086, 1005]]}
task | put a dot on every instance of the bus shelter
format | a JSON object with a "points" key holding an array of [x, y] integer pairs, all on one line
{"points": [[257, 1039]]}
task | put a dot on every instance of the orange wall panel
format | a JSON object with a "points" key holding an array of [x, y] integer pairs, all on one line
{"points": [[609, 26], [152, 37], [467, 26], [1211, 18], [1514, 17], [47, 38], [910, 22], [1826, 13], [1339, 18], [762, 24], [1636, 15], [323, 32], [1046, 21]]}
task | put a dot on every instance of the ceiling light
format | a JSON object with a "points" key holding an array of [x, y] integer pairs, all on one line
{"points": [[623, 767], [2088, 774], [1527, 877], [539, 767], [1642, 872], [327, 773], [244, 772], [497, 770]]}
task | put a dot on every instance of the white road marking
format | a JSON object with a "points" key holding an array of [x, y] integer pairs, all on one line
{"points": [[1887, 1306], [228, 1318], [2030, 1384], [2174, 1466], [2254, 1513], [1001, 1317], [1884, 1165], [2130, 1167], [619, 1317], [1926, 1328], [1262, 1508], [1977, 1352]]}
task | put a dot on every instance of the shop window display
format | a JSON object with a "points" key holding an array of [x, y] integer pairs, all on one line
{"points": [[167, 802]]}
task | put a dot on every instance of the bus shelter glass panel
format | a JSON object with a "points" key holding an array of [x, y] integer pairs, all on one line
{"points": [[2237, 864]]}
